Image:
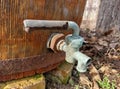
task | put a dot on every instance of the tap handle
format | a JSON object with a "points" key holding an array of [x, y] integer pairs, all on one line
{"points": [[51, 24], [44, 24]]}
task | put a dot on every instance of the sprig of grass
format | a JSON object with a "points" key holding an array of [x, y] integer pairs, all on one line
{"points": [[106, 84], [76, 86], [37, 76]]}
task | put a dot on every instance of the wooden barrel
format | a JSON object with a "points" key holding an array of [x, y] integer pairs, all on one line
{"points": [[15, 42]]}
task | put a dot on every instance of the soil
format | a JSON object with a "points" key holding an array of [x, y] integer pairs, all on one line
{"points": [[105, 53]]}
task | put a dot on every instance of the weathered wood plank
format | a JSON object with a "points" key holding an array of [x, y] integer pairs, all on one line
{"points": [[14, 41]]}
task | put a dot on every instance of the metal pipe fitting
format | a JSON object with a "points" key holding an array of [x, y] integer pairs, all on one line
{"points": [[72, 50], [51, 24], [75, 27], [83, 61]]}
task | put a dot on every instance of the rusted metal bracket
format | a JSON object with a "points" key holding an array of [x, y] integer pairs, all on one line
{"points": [[19, 68]]}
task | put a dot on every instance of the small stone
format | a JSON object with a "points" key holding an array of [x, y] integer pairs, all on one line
{"points": [[61, 74], [2, 85], [25, 83]]}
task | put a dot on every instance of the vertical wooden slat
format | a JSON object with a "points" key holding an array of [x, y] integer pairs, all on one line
{"points": [[0, 27]]}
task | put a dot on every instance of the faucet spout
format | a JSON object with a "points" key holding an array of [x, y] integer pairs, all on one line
{"points": [[71, 48], [83, 61]]}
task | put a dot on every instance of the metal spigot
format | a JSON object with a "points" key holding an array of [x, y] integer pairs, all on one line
{"points": [[70, 44]]}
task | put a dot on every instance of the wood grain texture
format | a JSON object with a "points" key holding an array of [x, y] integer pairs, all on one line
{"points": [[109, 15], [14, 41]]}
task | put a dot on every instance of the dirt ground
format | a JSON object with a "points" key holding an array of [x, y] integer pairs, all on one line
{"points": [[104, 71]]}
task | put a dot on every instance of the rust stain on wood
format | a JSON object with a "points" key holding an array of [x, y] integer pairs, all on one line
{"points": [[14, 41]]}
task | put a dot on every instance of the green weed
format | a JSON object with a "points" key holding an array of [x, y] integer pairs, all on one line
{"points": [[106, 84], [76, 86], [37, 76]]}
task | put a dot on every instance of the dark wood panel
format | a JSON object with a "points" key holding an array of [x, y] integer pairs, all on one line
{"points": [[14, 41]]}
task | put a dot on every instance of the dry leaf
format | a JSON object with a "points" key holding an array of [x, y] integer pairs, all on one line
{"points": [[94, 74], [85, 81], [102, 42], [104, 69], [113, 45], [95, 85], [98, 47]]}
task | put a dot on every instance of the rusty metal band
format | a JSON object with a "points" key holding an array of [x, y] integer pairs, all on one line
{"points": [[18, 68]]}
